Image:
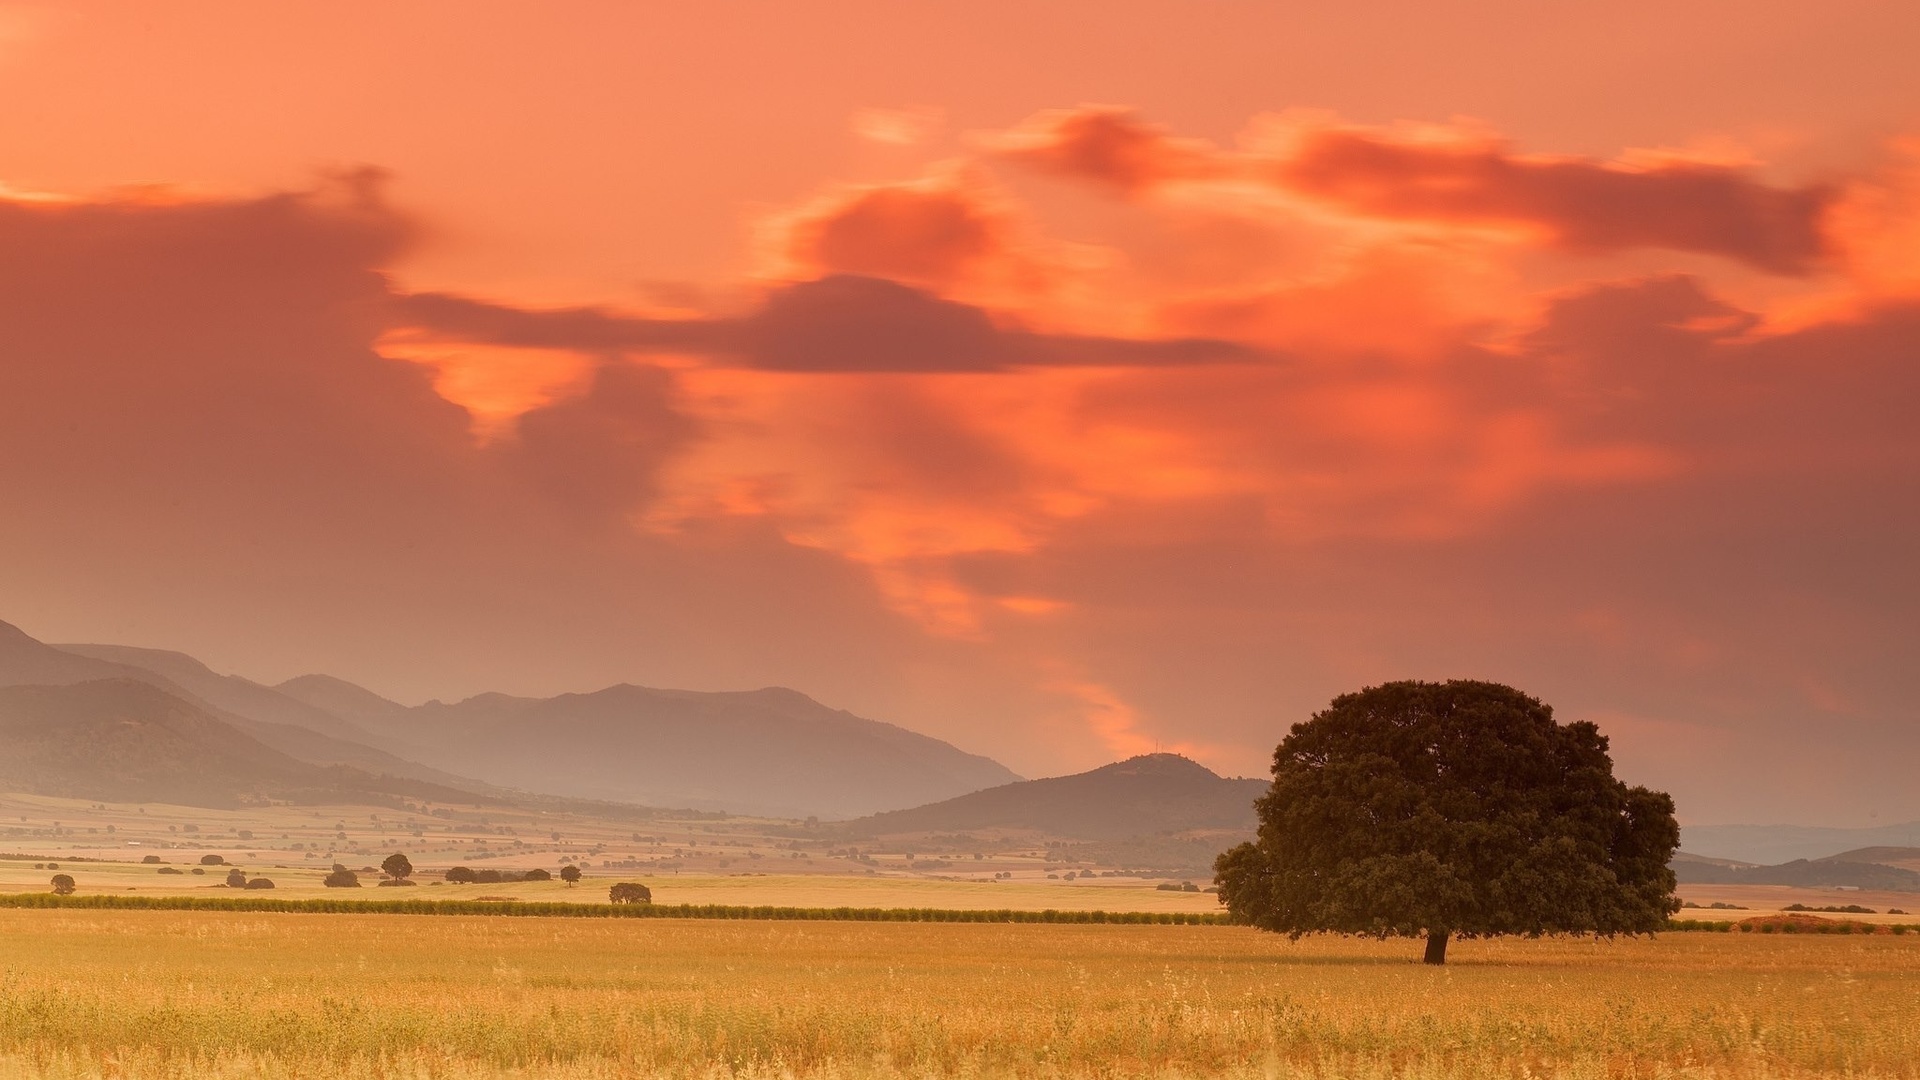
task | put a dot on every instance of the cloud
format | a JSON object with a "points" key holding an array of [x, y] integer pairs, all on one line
{"points": [[840, 323], [934, 235], [896, 127], [1583, 205], [1113, 147], [1452, 177], [598, 454]]}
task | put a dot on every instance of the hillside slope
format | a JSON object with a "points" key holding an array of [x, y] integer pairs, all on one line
{"points": [[229, 692], [1773, 844], [355, 704], [256, 710], [125, 740], [1154, 794], [1861, 869], [771, 751]]}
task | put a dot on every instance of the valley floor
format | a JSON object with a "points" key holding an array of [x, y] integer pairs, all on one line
{"points": [[203, 994]]}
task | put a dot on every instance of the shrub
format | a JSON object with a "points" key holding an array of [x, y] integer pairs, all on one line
{"points": [[213, 860], [260, 883], [341, 878], [536, 874], [151, 859], [386, 883], [199, 869], [461, 875], [63, 885], [488, 877], [236, 879], [172, 870]]}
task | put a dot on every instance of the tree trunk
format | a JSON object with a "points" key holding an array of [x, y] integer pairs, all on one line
{"points": [[1436, 947]]}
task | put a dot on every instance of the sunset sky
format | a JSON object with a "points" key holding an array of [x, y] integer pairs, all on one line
{"points": [[1063, 380]]}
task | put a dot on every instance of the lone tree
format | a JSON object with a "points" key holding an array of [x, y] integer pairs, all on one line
{"points": [[1442, 809], [63, 885], [341, 878], [397, 867], [236, 879], [570, 874], [630, 892]]}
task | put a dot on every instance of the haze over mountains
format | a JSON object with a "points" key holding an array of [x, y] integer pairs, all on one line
{"points": [[769, 751], [1895, 869], [1764, 844], [121, 723], [125, 740], [1149, 794]]}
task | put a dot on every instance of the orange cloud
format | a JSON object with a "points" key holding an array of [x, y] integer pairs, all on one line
{"points": [[1580, 204], [930, 235], [1454, 177], [1110, 146]]}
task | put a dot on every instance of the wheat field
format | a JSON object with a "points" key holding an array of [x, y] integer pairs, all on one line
{"points": [[215, 994]]}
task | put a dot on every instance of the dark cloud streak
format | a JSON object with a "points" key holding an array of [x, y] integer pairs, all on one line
{"points": [[840, 323]]}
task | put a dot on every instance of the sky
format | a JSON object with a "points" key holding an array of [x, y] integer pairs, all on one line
{"points": [[1066, 381]]}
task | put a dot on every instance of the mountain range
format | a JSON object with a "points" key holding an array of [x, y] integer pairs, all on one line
{"points": [[1889, 868], [1141, 796], [769, 751], [1772, 844]]}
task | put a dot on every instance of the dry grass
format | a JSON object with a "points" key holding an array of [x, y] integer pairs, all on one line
{"points": [[178, 994]]}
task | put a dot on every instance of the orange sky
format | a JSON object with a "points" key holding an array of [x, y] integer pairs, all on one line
{"points": [[1063, 381]]}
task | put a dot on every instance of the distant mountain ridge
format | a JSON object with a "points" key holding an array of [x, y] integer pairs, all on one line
{"points": [[126, 740], [1889, 868], [1772, 844], [772, 751], [25, 661], [1153, 794]]}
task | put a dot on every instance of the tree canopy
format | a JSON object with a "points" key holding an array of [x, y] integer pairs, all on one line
{"points": [[1443, 809], [397, 867]]}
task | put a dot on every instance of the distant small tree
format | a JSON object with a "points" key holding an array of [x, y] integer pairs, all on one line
{"points": [[1437, 809], [236, 879], [536, 874], [570, 874], [213, 860], [629, 892], [150, 859], [397, 867], [260, 883], [341, 878], [461, 875], [63, 885]]}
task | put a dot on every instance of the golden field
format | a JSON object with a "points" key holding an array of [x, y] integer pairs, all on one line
{"points": [[188, 994]]}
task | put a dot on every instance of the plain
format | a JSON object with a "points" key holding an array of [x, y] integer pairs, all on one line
{"points": [[178, 994]]}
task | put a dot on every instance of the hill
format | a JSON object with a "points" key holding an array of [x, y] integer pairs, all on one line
{"points": [[282, 723], [1866, 868], [355, 704], [1907, 858], [1772, 844], [231, 693], [771, 751], [1151, 795], [125, 740]]}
